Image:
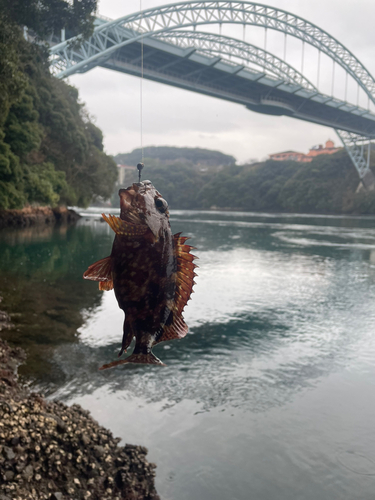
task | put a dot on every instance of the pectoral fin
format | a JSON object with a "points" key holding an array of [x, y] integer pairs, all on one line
{"points": [[124, 228], [100, 271]]}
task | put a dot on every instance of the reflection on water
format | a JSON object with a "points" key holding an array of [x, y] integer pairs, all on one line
{"points": [[268, 397], [42, 287]]}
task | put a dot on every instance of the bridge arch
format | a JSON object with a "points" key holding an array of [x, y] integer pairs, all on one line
{"points": [[169, 21], [114, 34], [219, 45]]}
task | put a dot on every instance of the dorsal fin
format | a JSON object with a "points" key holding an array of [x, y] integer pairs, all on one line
{"points": [[124, 228], [177, 329], [101, 271]]}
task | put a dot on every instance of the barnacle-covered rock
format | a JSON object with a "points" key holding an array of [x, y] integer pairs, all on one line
{"points": [[50, 451]]}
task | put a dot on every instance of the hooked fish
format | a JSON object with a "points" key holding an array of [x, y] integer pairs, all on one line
{"points": [[150, 270]]}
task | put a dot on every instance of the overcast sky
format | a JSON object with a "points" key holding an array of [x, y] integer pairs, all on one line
{"points": [[176, 117]]}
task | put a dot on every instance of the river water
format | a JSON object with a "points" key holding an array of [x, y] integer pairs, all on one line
{"points": [[271, 394]]}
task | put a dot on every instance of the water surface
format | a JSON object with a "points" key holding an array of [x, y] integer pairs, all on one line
{"points": [[271, 394]]}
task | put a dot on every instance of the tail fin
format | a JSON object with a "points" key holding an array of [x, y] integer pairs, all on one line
{"points": [[141, 358]]}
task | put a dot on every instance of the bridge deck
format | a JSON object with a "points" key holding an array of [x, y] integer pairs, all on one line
{"points": [[260, 92]]}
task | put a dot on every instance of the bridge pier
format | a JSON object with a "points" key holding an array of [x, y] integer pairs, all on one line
{"points": [[356, 146], [368, 181]]}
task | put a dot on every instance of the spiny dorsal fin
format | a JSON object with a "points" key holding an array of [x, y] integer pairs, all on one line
{"points": [[123, 228], [100, 271], [185, 272], [184, 288]]}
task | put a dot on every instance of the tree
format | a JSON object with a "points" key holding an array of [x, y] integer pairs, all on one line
{"points": [[50, 152], [46, 17]]}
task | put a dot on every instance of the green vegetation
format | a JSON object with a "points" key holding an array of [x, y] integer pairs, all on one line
{"points": [[326, 185], [50, 152], [45, 17], [167, 154]]}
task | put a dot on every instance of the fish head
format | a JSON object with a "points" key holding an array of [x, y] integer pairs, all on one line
{"points": [[142, 204]]}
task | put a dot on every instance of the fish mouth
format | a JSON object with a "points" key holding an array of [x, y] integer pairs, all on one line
{"points": [[132, 202]]}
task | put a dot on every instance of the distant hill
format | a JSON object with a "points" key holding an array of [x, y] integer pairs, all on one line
{"points": [[169, 154], [327, 185]]}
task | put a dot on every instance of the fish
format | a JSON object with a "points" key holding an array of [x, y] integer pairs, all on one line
{"points": [[150, 270]]}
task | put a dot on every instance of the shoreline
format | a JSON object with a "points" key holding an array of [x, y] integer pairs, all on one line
{"points": [[51, 451], [36, 216]]}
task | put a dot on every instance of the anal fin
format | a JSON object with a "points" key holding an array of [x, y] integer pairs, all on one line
{"points": [[176, 330]]}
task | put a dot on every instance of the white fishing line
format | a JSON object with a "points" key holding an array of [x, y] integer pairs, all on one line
{"points": [[141, 83]]}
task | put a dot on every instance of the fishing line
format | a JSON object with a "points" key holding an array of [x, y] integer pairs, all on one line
{"points": [[141, 164]]}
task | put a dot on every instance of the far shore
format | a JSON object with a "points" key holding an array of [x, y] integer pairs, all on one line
{"points": [[35, 216]]}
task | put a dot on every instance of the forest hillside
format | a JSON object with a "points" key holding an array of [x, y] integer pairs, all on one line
{"points": [[329, 184], [50, 151], [168, 154]]}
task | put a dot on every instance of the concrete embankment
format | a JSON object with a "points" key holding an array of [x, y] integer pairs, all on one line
{"points": [[49, 450]]}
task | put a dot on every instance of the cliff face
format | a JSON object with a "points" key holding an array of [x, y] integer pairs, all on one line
{"points": [[49, 450]]}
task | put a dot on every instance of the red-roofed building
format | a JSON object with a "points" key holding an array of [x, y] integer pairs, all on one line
{"points": [[289, 155], [301, 157], [329, 149]]}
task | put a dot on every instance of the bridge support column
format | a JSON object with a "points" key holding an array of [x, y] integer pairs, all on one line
{"points": [[368, 181], [358, 148]]}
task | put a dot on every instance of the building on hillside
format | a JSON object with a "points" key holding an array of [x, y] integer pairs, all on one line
{"points": [[328, 149], [123, 172], [289, 155]]}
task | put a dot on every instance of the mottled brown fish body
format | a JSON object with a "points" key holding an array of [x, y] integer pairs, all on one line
{"points": [[144, 280], [150, 270]]}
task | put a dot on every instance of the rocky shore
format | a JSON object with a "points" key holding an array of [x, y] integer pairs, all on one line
{"points": [[49, 450], [31, 216]]}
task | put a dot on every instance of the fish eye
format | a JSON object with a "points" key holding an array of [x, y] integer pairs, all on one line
{"points": [[161, 204]]}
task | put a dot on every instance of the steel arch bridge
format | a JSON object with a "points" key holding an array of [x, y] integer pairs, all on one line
{"points": [[175, 53]]}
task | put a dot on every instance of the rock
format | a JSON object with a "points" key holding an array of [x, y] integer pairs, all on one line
{"points": [[85, 439], [56, 496], [15, 441], [99, 451], [62, 450], [31, 216], [9, 453], [9, 475], [28, 472]]}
